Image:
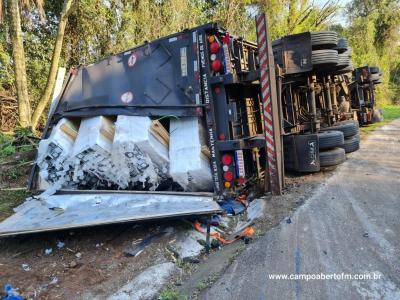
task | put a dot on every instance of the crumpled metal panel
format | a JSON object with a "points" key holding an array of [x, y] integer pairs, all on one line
{"points": [[65, 211]]}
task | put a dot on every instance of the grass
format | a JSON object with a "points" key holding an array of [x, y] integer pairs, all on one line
{"points": [[169, 294], [390, 113], [10, 199]]}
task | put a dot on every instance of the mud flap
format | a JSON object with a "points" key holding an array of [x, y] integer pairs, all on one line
{"points": [[301, 153], [82, 209]]}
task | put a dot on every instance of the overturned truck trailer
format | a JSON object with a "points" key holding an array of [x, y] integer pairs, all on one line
{"points": [[163, 130]]}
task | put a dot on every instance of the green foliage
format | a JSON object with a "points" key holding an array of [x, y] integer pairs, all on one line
{"points": [[13, 174], [390, 113], [7, 150], [6, 146], [373, 33], [9, 200], [21, 141], [294, 16], [169, 294]]}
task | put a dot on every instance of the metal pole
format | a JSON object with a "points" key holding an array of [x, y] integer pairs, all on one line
{"points": [[272, 122], [208, 235]]}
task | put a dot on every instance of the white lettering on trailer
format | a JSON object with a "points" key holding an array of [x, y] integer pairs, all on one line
{"points": [[312, 153], [240, 170], [214, 163], [202, 54], [205, 89], [227, 59], [207, 101], [184, 68]]}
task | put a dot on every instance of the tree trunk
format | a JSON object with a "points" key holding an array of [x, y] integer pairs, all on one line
{"points": [[51, 79], [24, 108]]}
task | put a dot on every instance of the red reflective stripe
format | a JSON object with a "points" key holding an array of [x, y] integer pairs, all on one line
{"points": [[266, 95]]}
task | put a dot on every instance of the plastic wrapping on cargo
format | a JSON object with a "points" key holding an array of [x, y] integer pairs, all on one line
{"points": [[92, 153], [188, 166], [140, 157], [54, 152]]}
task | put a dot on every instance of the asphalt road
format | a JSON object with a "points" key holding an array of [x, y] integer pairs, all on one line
{"points": [[350, 225]]}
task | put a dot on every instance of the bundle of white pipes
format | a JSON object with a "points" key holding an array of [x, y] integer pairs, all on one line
{"points": [[189, 166], [141, 158], [134, 153], [92, 152], [54, 153]]}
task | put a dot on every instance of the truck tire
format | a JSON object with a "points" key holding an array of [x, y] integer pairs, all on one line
{"points": [[344, 60], [374, 70], [324, 39], [376, 77], [342, 45], [330, 139], [349, 128], [333, 157], [351, 144], [324, 57], [342, 70]]}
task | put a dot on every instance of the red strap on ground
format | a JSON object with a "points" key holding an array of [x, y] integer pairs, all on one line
{"points": [[248, 231]]}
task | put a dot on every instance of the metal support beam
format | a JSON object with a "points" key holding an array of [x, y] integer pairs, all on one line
{"points": [[328, 101], [272, 116], [312, 105]]}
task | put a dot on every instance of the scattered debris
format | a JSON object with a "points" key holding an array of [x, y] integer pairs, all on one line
{"points": [[11, 293], [72, 264], [216, 234], [48, 251], [138, 247], [78, 255], [26, 267], [232, 206], [54, 280], [60, 245], [366, 234], [288, 220], [191, 260], [256, 208]]}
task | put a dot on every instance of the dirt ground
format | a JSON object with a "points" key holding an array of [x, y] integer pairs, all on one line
{"points": [[92, 261]]}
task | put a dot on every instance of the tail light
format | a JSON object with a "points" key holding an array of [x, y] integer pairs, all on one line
{"points": [[216, 65], [214, 47], [228, 176], [226, 159]]}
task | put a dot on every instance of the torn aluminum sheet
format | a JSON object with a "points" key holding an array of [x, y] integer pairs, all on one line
{"points": [[92, 153], [53, 154], [73, 209], [188, 165], [138, 155]]}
